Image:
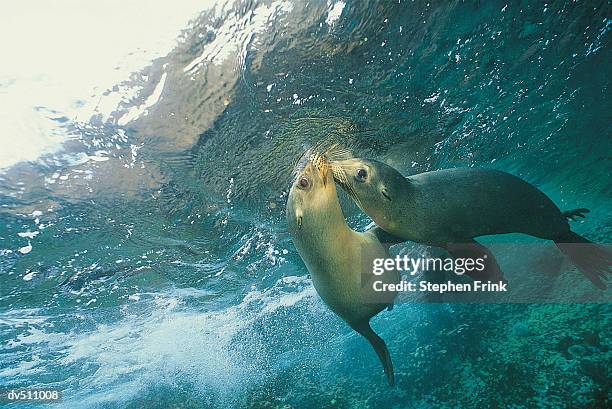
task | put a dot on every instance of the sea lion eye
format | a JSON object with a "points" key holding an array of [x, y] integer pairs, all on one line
{"points": [[303, 182], [362, 174]]}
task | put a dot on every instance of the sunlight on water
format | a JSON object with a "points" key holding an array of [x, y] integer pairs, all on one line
{"points": [[60, 58]]}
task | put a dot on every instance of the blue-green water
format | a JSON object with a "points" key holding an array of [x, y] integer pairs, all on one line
{"points": [[154, 268]]}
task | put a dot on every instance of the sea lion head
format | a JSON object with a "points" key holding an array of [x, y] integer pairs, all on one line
{"points": [[313, 200], [373, 185]]}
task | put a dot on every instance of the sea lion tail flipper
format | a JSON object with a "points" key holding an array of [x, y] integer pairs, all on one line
{"points": [[380, 347], [594, 261], [572, 214]]}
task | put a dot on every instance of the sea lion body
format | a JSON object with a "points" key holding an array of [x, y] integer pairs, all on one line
{"points": [[336, 275], [336, 256], [451, 207]]}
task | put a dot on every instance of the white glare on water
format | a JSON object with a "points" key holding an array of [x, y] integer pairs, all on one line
{"points": [[58, 57]]}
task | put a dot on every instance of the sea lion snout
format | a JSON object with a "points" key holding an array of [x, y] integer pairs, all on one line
{"points": [[312, 190], [321, 165]]}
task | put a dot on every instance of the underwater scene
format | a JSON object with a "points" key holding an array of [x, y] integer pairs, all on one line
{"points": [[150, 254]]}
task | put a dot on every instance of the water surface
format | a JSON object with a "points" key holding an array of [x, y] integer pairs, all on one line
{"points": [[144, 254]]}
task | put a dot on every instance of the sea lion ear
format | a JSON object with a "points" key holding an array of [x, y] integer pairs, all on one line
{"points": [[298, 218]]}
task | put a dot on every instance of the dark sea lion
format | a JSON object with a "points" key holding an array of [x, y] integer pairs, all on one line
{"points": [[336, 255], [449, 208]]}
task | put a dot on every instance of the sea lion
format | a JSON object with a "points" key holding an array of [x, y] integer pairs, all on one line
{"points": [[449, 208], [336, 256]]}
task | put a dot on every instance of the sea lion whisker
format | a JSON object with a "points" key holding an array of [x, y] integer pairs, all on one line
{"points": [[336, 151], [341, 177], [351, 192], [317, 147], [296, 164], [330, 149], [342, 149], [354, 195], [339, 155], [300, 163], [341, 167]]}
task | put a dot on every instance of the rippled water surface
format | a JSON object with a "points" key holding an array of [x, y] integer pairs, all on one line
{"points": [[144, 256]]}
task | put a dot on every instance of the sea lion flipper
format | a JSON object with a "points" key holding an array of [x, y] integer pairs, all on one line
{"points": [[594, 261], [379, 346], [387, 239], [470, 248]]}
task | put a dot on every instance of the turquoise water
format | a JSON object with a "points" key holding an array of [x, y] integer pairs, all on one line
{"points": [[154, 268]]}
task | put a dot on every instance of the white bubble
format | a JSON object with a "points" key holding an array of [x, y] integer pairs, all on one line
{"points": [[26, 249], [28, 234], [29, 276]]}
